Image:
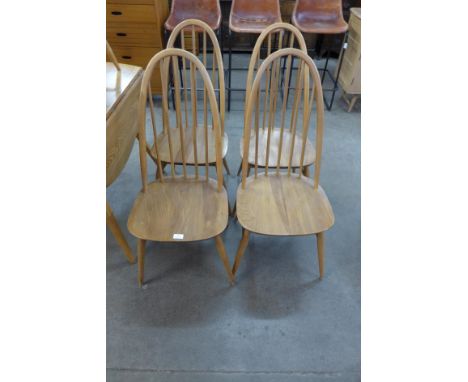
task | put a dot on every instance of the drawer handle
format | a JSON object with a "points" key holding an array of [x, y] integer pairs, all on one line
{"points": [[121, 34], [116, 13], [126, 57]]}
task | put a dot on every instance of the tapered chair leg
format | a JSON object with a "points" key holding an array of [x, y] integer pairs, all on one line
{"points": [[306, 171], [116, 231], [141, 261], [224, 258], [240, 251], [233, 211], [226, 166], [320, 254]]}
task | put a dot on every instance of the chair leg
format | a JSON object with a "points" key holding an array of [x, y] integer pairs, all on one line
{"points": [[233, 211], [224, 258], [320, 255], [240, 169], [240, 251], [116, 231], [226, 166], [306, 171], [141, 261]]}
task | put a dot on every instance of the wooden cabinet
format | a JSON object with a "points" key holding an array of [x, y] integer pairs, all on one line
{"points": [[350, 74], [135, 30]]}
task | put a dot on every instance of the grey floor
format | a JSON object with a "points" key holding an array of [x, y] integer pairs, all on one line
{"points": [[279, 322]]}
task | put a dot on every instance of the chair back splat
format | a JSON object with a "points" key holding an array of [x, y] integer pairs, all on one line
{"points": [[262, 101], [180, 145]]}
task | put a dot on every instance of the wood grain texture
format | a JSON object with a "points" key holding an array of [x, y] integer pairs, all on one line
{"points": [[283, 205], [309, 156], [194, 208], [188, 146], [121, 126]]}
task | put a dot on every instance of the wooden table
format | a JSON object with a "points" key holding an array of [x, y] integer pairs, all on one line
{"points": [[122, 93]]}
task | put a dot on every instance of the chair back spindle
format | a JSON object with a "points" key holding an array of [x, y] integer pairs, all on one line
{"points": [[175, 144]]}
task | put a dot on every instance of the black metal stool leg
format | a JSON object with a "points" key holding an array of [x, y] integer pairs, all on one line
{"points": [[229, 70], [318, 45], [335, 82], [325, 68], [171, 79]]}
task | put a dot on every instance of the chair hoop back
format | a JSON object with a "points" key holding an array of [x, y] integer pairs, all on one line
{"points": [[303, 91], [295, 36], [174, 140], [193, 26]]}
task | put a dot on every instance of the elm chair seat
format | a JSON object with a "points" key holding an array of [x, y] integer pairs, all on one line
{"points": [[319, 16], [283, 205], [249, 16], [207, 11]]}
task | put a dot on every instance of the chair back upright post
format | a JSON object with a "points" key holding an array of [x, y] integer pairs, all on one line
{"points": [[193, 26], [165, 58], [305, 94]]}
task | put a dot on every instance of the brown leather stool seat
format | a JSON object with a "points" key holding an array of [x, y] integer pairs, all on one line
{"points": [[207, 11], [319, 16], [251, 16]]}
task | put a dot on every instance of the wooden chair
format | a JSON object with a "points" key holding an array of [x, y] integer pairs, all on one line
{"points": [[191, 27], [272, 88], [279, 202], [122, 91], [180, 207]]}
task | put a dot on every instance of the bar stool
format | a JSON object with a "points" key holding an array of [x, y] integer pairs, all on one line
{"points": [[249, 16], [322, 17], [208, 11]]}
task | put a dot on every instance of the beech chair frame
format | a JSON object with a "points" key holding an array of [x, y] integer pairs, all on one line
{"points": [[155, 227], [193, 26], [294, 36], [311, 213]]}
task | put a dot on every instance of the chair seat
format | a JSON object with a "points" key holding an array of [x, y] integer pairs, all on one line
{"points": [[249, 16], [163, 146], [207, 11], [189, 207], [320, 22], [283, 205], [309, 155]]}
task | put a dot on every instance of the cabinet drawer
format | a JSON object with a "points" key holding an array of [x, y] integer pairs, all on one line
{"points": [[125, 13], [134, 35], [135, 55], [140, 57]]}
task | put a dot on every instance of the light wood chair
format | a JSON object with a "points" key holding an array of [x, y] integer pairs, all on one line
{"points": [[191, 27], [272, 87], [279, 202], [180, 207]]}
